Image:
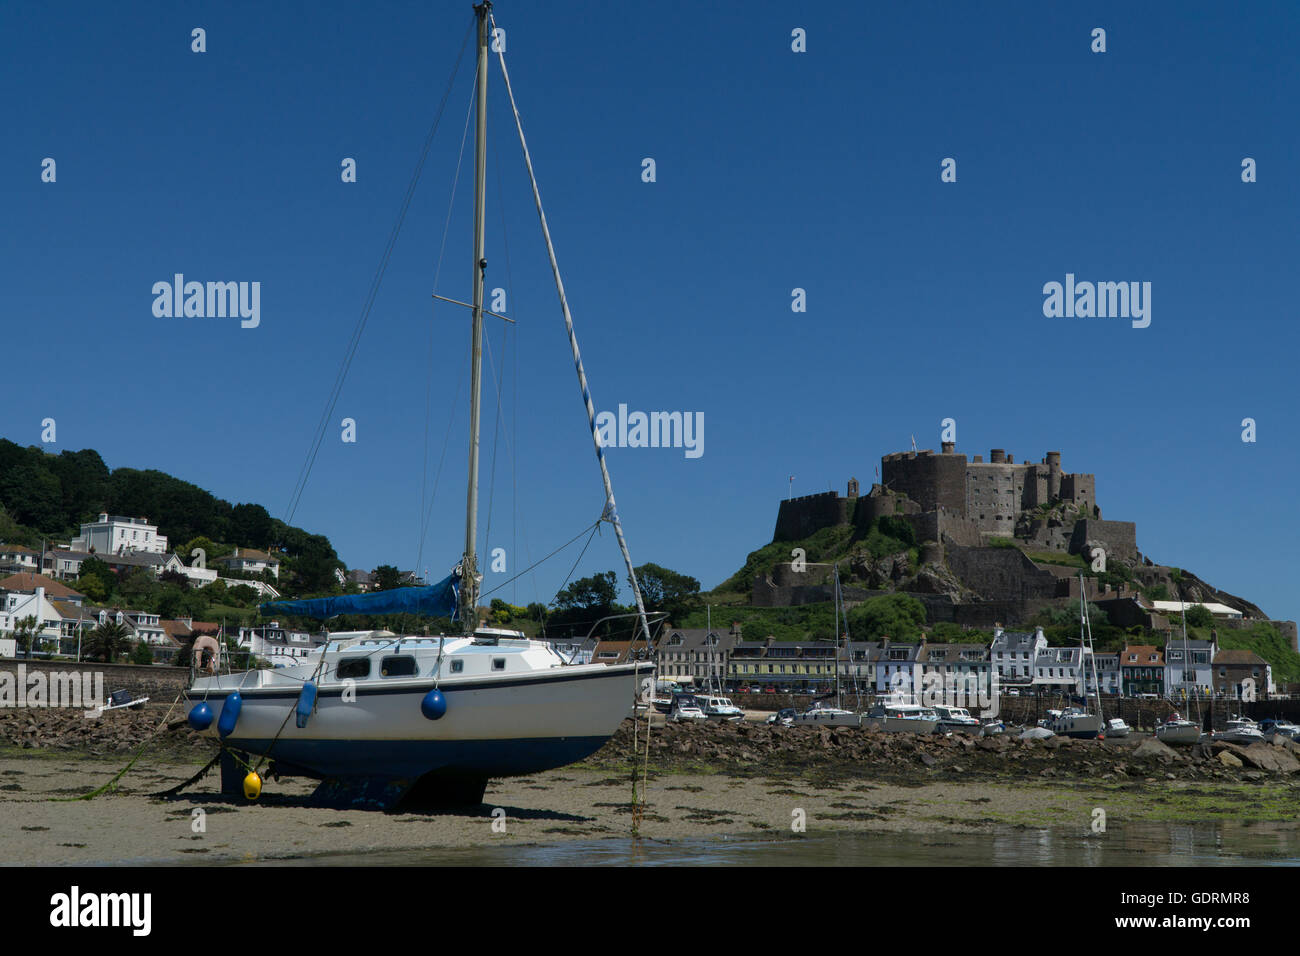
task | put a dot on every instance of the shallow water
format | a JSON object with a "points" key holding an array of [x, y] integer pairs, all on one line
{"points": [[1141, 844]]}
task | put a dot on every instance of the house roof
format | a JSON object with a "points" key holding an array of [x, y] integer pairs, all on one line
{"points": [[1238, 657], [1144, 653], [27, 581], [693, 638], [1014, 641], [621, 648], [250, 554], [134, 559]]}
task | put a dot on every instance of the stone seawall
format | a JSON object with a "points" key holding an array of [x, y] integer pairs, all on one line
{"points": [[157, 682]]}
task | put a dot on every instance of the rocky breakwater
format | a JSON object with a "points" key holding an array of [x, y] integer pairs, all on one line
{"points": [[763, 749], [114, 732]]}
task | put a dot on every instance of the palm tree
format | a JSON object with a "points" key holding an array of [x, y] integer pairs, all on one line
{"points": [[24, 634], [108, 641]]}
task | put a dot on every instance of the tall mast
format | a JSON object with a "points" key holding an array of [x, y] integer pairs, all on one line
{"points": [[468, 565]]}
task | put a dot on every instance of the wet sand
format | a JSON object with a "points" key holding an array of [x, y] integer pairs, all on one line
{"points": [[574, 803]]}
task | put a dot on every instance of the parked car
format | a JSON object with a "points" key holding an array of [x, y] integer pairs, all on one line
{"points": [[769, 689]]}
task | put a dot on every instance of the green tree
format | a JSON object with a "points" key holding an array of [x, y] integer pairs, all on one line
{"points": [[594, 594], [142, 654], [667, 590], [896, 616], [387, 577], [108, 642], [93, 587], [1199, 616], [25, 634]]}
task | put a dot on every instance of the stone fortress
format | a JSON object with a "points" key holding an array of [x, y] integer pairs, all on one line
{"points": [[978, 526], [969, 502]]}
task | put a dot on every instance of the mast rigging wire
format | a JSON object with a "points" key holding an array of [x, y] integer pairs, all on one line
{"points": [[327, 414]]}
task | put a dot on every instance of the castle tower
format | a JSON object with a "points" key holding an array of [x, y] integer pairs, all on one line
{"points": [[998, 456], [1053, 475], [949, 447], [853, 487]]}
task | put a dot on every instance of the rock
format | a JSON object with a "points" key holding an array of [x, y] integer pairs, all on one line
{"points": [[928, 760], [1263, 756], [1152, 749], [1229, 759]]}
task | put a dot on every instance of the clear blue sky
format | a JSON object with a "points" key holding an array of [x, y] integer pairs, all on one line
{"points": [[775, 170]]}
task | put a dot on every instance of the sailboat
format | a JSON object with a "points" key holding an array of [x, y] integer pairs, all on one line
{"points": [[1077, 721], [1177, 729], [386, 720], [825, 715]]}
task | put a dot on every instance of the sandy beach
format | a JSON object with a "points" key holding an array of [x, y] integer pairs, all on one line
{"points": [[128, 825]]}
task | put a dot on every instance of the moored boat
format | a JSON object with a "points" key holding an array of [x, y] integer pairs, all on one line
{"points": [[381, 718]]}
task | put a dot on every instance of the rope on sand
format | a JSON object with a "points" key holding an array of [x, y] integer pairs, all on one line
{"points": [[99, 791]]}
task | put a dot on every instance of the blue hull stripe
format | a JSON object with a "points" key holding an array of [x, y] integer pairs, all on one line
{"points": [[362, 690], [415, 758]]}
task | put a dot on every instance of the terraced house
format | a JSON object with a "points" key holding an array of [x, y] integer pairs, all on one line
{"points": [[1142, 670], [695, 654]]}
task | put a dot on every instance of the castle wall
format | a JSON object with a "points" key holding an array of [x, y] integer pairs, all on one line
{"points": [[800, 517], [1118, 538], [932, 481], [1000, 574]]}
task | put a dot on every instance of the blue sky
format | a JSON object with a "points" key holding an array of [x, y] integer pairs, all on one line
{"points": [[775, 170]]}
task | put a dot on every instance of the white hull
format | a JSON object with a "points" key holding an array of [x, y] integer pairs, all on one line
{"points": [[828, 719], [1083, 726], [901, 725], [1178, 733], [1243, 737], [493, 726]]}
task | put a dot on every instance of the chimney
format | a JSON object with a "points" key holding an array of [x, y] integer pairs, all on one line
{"points": [[998, 456], [948, 447]]}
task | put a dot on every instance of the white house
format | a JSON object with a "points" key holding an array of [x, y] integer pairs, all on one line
{"points": [[898, 667], [1062, 668], [1012, 654], [277, 645], [16, 605], [199, 577], [113, 534], [251, 561], [1174, 609], [14, 557], [1192, 675]]}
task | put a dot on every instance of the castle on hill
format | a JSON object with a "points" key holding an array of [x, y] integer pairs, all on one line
{"points": [[948, 498]]}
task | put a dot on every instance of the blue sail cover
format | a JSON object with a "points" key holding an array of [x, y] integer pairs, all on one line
{"points": [[437, 600]]}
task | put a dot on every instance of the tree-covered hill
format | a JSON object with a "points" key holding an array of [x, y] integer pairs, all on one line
{"points": [[49, 496]]}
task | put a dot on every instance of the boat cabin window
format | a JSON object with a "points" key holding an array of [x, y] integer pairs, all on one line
{"points": [[457, 666], [356, 668], [397, 667], [498, 663]]}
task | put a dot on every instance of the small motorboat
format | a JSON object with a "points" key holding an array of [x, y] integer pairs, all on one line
{"points": [[121, 699], [1275, 730], [825, 715], [992, 726], [1239, 730], [1177, 730], [956, 719], [1115, 727]]}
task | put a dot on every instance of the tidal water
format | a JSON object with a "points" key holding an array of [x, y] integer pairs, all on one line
{"points": [[1144, 844]]}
